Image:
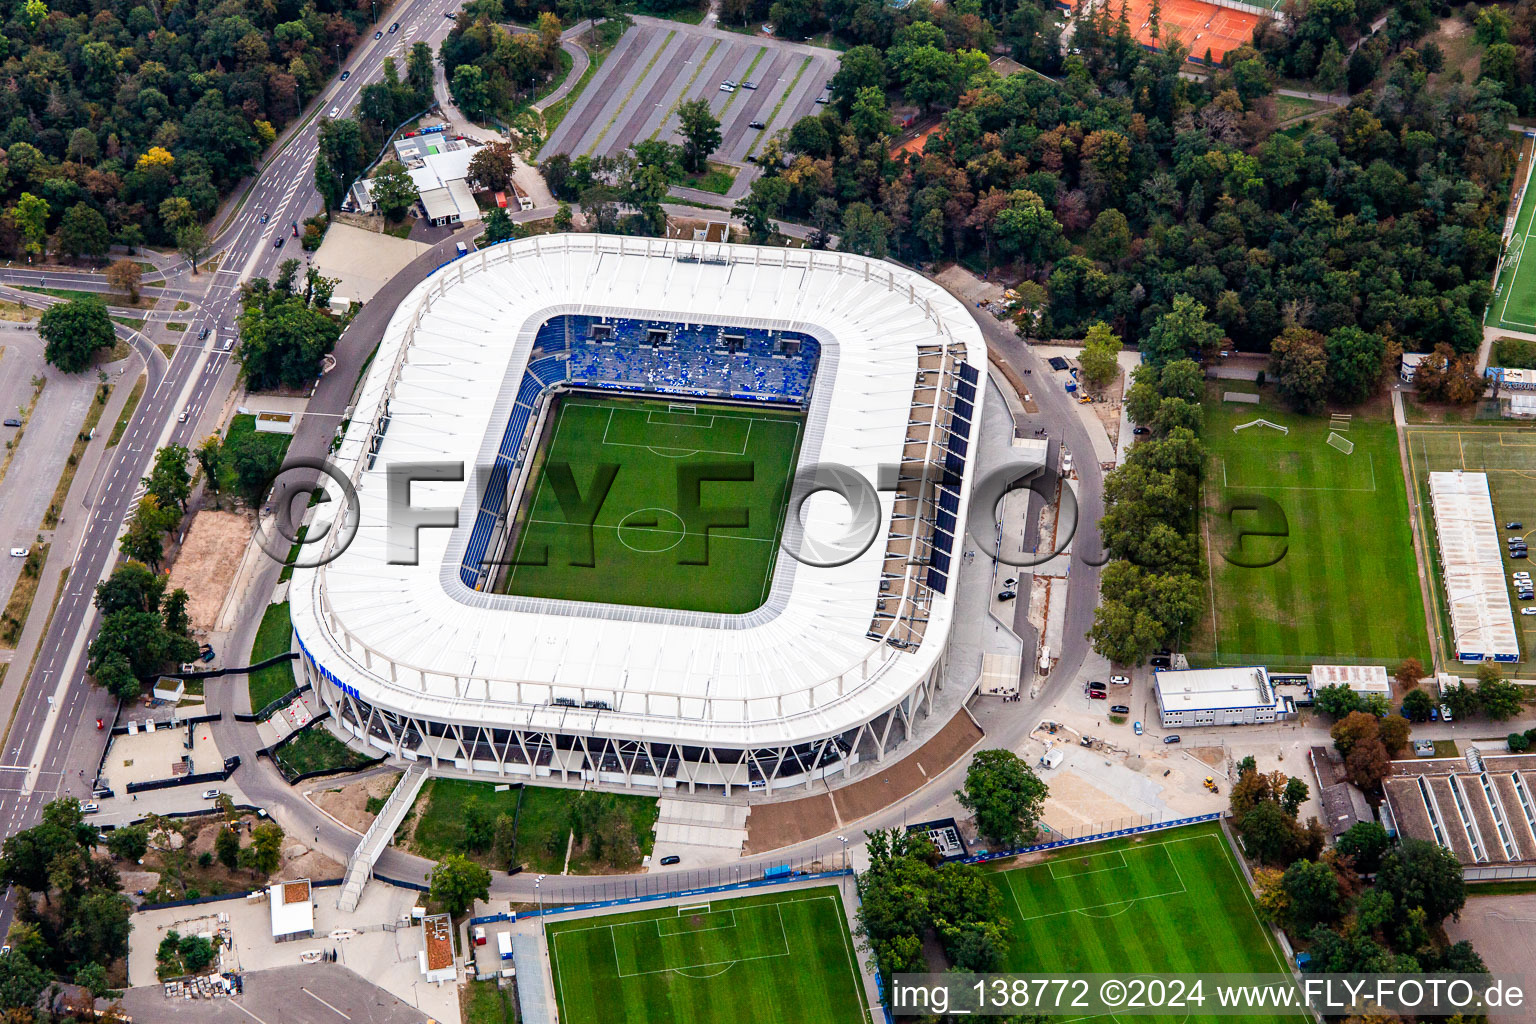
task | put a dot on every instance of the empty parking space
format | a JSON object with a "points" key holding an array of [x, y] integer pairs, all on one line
{"points": [[658, 65]]}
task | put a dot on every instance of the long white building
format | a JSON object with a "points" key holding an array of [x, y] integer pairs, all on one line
{"points": [[1473, 567], [422, 662]]}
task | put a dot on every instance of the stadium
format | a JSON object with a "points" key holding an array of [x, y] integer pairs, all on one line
{"points": [[627, 597]]}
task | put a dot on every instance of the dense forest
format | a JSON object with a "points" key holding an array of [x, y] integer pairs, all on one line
{"points": [[124, 123]]}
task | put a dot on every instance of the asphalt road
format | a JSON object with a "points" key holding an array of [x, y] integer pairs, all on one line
{"points": [[53, 746]]}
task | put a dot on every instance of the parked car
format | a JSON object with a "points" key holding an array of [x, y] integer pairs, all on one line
{"points": [[18, 552], [727, 87], [670, 859], [12, 421], [756, 124], [1136, 728], [1159, 661], [1119, 709], [1007, 595], [210, 794], [1514, 524], [1529, 609], [1138, 431], [1096, 685], [1120, 680], [89, 808], [749, 84], [1098, 695], [1171, 739], [1445, 713], [1434, 714]]}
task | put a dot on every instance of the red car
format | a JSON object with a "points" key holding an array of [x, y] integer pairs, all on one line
{"points": [[1098, 694]]}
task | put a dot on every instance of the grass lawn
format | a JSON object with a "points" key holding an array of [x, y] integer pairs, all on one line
{"points": [[315, 749], [14, 619], [484, 1002], [1159, 903], [643, 543], [717, 178], [1345, 585], [273, 637], [778, 958], [109, 298], [1287, 107], [1508, 455], [239, 427], [544, 822]]}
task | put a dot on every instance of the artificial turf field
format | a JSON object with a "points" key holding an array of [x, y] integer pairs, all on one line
{"points": [[1346, 589], [643, 552], [778, 958], [1514, 297], [1172, 901], [1508, 456]]}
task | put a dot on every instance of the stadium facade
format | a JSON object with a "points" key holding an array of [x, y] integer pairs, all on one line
{"points": [[424, 661]]}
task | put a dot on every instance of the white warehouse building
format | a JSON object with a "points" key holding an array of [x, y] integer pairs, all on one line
{"points": [[1219, 696], [425, 662], [1473, 567]]}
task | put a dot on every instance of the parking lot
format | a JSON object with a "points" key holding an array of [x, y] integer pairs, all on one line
{"points": [[657, 65]]}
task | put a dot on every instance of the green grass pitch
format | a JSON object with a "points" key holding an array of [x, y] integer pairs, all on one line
{"points": [[778, 958], [1514, 299], [647, 548], [1508, 456], [1347, 588], [1167, 902]]}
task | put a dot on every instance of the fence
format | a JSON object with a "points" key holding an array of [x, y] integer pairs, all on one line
{"points": [[1498, 873], [199, 900], [1135, 830], [295, 779], [235, 670], [230, 764], [273, 707]]}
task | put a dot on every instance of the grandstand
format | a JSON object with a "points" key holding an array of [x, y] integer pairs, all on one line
{"points": [[417, 656]]}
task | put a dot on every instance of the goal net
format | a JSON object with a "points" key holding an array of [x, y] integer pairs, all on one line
{"points": [[1261, 423], [1343, 444]]}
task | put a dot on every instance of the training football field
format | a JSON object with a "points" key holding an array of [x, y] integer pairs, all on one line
{"points": [[1343, 585], [1514, 297], [779, 958], [661, 537], [1165, 902]]}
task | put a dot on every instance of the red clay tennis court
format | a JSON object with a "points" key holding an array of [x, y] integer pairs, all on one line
{"points": [[1199, 26]]}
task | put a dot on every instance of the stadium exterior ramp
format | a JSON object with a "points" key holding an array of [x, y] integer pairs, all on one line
{"points": [[833, 669]]}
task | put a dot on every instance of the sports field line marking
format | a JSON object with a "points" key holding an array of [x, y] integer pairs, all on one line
{"points": [[1097, 906], [775, 903], [656, 529], [1051, 865], [789, 480], [1370, 466], [1515, 275], [733, 961], [697, 931], [690, 909]]}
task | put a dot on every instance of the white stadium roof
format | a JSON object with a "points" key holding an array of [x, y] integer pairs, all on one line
{"points": [[410, 639], [1473, 568]]}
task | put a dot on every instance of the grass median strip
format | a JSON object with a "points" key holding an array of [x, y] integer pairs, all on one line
{"points": [[14, 619], [644, 74], [779, 106], [128, 409], [57, 594]]}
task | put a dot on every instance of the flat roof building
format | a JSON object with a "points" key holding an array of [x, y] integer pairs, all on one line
{"points": [[293, 912], [1219, 696], [436, 954], [1472, 566], [1362, 679], [1485, 815]]}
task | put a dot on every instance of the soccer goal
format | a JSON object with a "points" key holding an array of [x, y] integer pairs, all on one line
{"points": [[1261, 423], [1343, 444]]}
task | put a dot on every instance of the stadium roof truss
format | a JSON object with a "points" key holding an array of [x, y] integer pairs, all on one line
{"points": [[423, 666]]}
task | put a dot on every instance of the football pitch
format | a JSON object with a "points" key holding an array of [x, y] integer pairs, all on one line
{"points": [[1343, 586], [695, 502], [779, 958], [1508, 456], [1167, 902], [1514, 297]]}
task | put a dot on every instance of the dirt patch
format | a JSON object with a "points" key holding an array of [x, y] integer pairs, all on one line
{"points": [[349, 804], [1501, 928], [771, 826], [206, 565], [1213, 756], [910, 773], [300, 861], [1074, 802]]}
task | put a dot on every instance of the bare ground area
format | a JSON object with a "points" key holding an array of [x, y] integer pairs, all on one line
{"points": [[1075, 801], [349, 804], [206, 565], [1503, 929]]}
